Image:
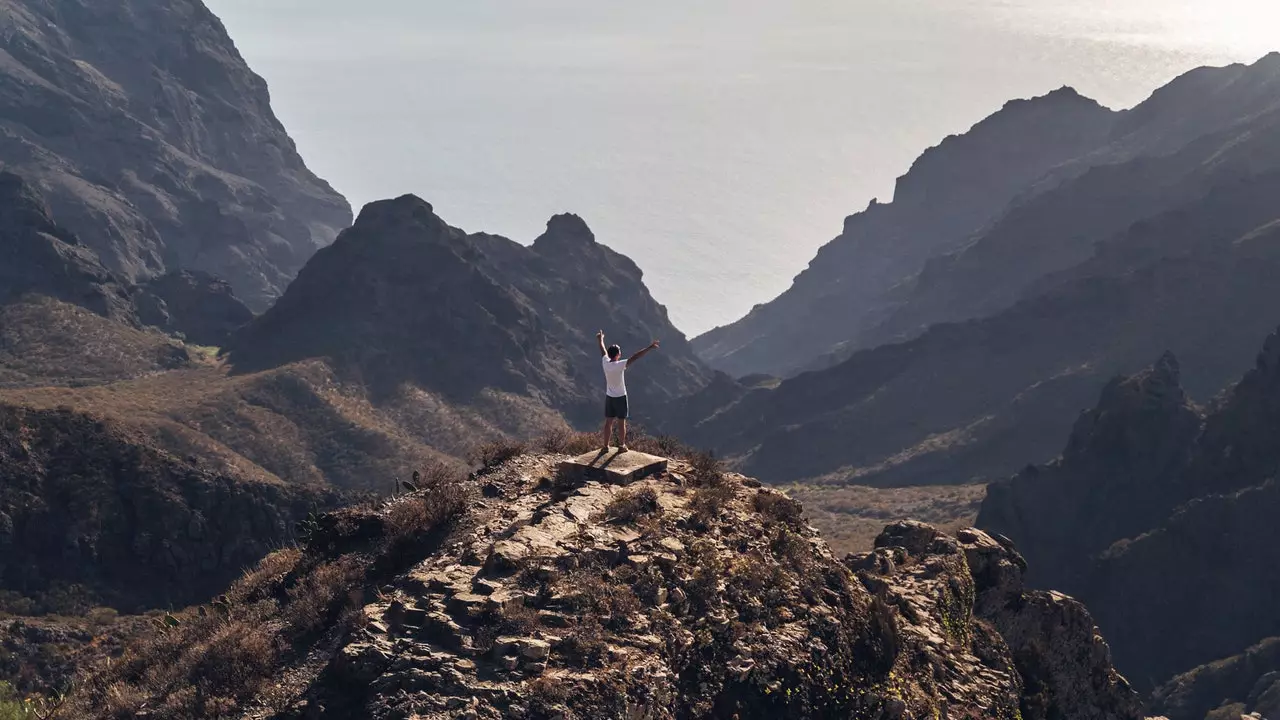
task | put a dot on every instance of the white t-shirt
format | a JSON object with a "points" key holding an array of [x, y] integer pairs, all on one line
{"points": [[615, 372]]}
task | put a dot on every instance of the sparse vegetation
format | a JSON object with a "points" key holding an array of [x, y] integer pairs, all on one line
{"points": [[633, 504], [563, 441], [213, 661], [496, 452]]}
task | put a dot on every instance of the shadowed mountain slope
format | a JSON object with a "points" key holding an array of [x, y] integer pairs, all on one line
{"points": [[944, 255], [974, 399], [1156, 512], [402, 299], [156, 144], [951, 190]]}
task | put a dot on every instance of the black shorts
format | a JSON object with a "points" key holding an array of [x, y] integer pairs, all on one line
{"points": [[615, 407]]}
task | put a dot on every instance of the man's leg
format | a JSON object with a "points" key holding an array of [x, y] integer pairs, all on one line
{"points": [[608, 432], [622, 434]]}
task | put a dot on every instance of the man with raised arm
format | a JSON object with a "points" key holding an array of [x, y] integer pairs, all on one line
{"points": [[615, 401]]}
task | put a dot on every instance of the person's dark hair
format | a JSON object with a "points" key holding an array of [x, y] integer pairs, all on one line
{"points": [[614, 352]]}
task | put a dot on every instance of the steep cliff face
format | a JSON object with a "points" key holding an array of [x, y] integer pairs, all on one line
{"points": [[85, 503], [690, 593], [38, 257], [156, 144], [1156, 513], [949, 193], [404, 298]]}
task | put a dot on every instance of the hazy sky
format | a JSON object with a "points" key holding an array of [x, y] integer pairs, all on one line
{"points": [[716, 142]]}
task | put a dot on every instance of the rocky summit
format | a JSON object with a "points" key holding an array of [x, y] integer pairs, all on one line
{"points": [[156, 144], [694, 593], [402, 298]]}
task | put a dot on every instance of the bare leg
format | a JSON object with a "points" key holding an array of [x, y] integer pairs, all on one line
{"points": [[608, 432], [622, 435]]}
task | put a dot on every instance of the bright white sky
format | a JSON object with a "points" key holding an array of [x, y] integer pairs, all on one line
{"points": [[719, 143]]}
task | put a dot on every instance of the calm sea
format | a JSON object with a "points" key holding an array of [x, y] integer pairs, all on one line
{"points": [[717, 142]]}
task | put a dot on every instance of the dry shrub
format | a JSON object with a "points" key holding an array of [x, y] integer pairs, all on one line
{"points": [[563, 441], [705, 469], [667, 446], [549, 690], [237, 659], [608, 602], [263, 581], [779, 508], [102, 617], [708, 502], [492, 454], [323, 594], [632, 505], [585, 646]]}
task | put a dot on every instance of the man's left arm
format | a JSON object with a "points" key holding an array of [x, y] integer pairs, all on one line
{"points": [[600, 339], [652, 346]]}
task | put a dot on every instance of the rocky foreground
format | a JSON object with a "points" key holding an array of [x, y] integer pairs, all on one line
{"points": [[692, 594]]}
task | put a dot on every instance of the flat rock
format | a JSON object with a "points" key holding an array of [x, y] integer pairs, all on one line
{"points": [[619, 468]]}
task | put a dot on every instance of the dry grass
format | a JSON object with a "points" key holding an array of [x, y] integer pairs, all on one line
{"points": [[563, 441], [496, 452], [45, 341]]}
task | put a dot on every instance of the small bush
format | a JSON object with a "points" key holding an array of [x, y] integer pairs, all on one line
{"points": [[632, 505], [705, 469], [563, 441], [102, 617], [611, 603], [324, 593], [11, 706], [708, 502], [492, 454], [779, 508]]}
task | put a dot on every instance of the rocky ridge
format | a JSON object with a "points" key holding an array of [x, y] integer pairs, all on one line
{"points": [[689, 594], [402, 298], [1157, 511], [981, 219], [952, 190]]}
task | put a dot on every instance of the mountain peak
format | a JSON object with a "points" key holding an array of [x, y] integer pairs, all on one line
{"points": [[566, 231]]}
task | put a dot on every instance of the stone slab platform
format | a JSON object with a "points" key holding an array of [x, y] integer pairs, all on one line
{"points": [[618, 468]]}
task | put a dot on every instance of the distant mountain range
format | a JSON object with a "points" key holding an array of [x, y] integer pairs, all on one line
{"points": [[1091, 272]]}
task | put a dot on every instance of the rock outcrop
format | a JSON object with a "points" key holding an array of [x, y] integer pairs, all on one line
{"points": [[402, 297], [201, 308], [691, 594], [38, 257], [1226, 689], [1159, 513], [973, 585], [156, 144]]}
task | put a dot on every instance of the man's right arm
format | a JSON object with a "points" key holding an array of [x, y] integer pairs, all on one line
{"points": [[600, 339]]}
